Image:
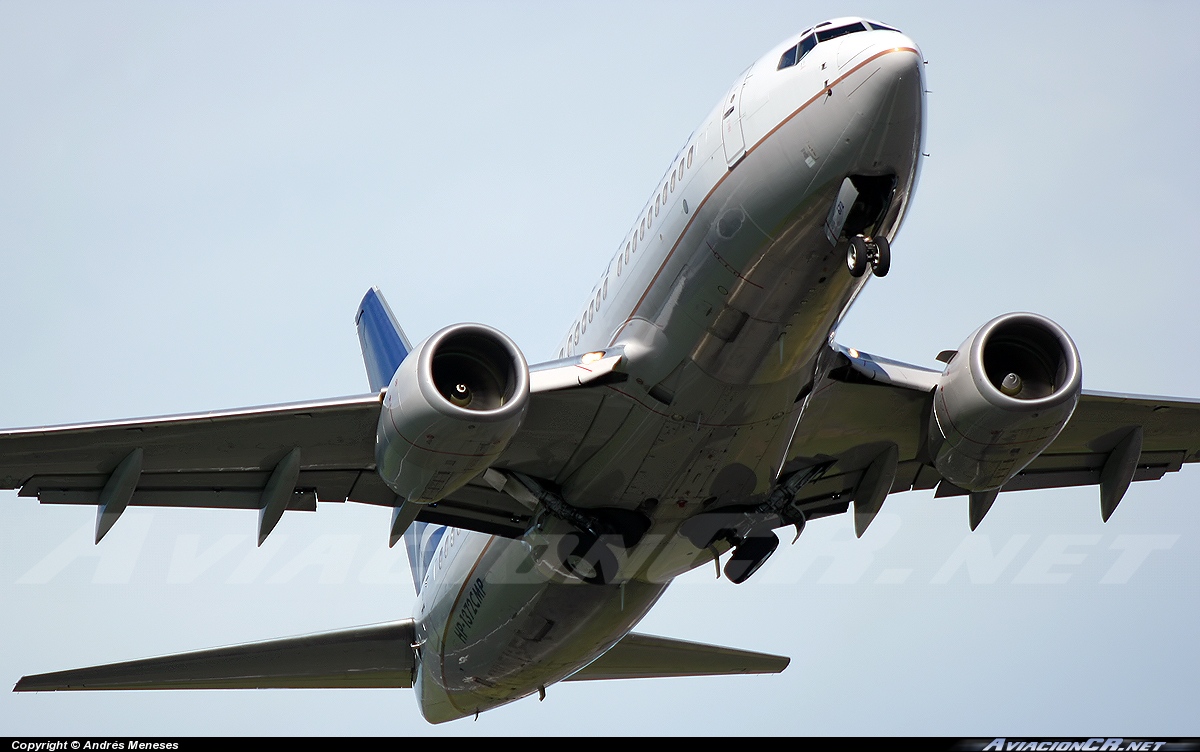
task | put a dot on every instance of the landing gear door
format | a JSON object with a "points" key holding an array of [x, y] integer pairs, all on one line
{"points": [[839, 211], [731, 124]]}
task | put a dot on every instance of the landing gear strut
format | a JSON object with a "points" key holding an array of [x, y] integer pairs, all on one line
{"points": [[876, 252], [590, 549], [748, 529]]}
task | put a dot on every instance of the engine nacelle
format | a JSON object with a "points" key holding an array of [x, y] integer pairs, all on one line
{"points": [[1003, 398], [451, 409]]}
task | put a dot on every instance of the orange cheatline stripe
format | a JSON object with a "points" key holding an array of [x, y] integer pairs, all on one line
{"points": [[717, 185]]}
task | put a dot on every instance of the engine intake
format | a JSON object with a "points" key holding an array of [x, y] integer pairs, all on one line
{"points": [[451, 409], [1003, 398]]}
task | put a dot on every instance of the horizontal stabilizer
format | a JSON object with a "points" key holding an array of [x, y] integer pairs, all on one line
{"points": [[639, 656], [379, 655]]}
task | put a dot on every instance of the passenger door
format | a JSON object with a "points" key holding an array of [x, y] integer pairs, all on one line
{"points": [[731, 124]]}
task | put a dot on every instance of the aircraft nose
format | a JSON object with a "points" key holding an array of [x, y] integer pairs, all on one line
{"points": [[893, 87]]}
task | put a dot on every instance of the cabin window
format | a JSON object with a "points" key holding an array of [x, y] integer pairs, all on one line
{"points": [[664, 194], [689, 160], [605, 288], [672, 181]]}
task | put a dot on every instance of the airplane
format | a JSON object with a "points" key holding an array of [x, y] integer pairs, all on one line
{"points": [[600, 564]]}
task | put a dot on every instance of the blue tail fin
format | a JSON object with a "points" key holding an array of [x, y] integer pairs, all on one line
{"points": [[384, 348], [384, 345], [422, 539]]}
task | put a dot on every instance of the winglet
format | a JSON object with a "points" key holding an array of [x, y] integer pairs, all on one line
{"points": [[383, 343]]}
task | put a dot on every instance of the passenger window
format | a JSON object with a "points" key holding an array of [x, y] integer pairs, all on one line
{"points": [[788, 59], [689, 162], [672, 181], [664, 195], [606, 288], [627, 253]]}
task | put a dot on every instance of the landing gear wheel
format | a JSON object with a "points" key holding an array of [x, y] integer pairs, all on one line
{"points": [[881, 259], [749, 555], [857, 256], [588, 558]]}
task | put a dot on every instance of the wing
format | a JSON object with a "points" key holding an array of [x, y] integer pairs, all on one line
{"points": [[283, 457], [220, 459], [865, 404]]}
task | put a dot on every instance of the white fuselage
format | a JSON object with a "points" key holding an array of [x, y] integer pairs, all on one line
{"points": [[722, 296]]}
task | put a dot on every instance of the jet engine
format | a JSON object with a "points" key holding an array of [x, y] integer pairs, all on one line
{"points": [[451, 409], [1003, 398]]}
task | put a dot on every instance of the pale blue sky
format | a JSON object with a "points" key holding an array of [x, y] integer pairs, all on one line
{"points": [[193, 198]]}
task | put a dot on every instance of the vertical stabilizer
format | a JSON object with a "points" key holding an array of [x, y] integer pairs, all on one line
{"points": [[422, 540], [383, 343], [384, 348]]}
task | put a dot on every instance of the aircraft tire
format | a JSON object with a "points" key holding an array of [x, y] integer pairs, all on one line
{"points": [[749, 556], [881, 260], [857, 256]]}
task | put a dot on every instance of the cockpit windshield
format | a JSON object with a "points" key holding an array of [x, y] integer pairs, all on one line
{"points": [[825, 35], [822, 34]]}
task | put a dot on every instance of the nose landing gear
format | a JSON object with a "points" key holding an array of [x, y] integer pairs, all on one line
{"points": [[876, 252]]}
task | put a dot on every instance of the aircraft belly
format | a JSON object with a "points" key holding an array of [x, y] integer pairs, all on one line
{"points": [[713, 443], [499, 628]]}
